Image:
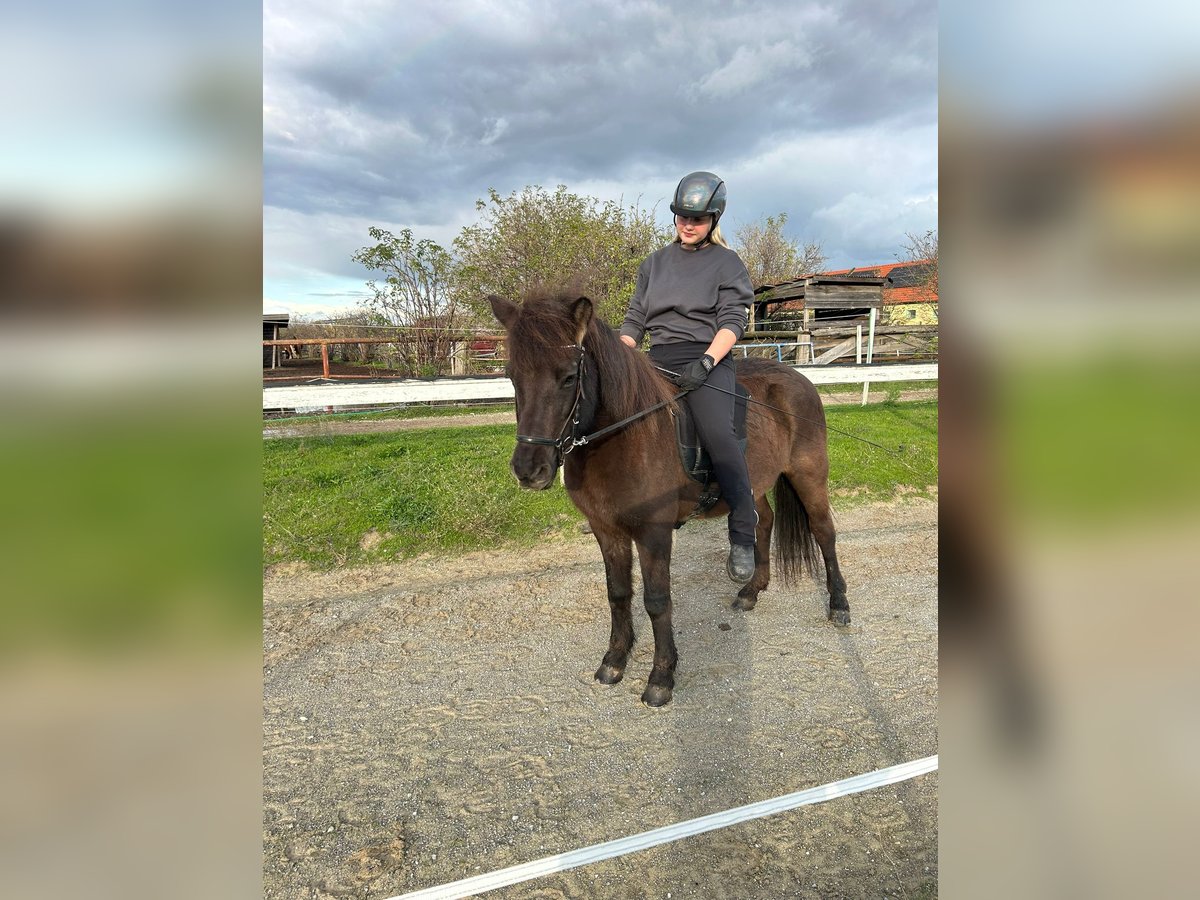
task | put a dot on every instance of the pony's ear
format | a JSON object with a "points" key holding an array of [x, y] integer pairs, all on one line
{"points": [[505, 311], [581, 313]]}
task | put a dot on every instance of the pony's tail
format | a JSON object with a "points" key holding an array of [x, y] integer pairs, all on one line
{"points": [[795, 547]]}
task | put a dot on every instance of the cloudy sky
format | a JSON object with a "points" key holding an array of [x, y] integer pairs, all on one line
{"points": [[404, 114]]}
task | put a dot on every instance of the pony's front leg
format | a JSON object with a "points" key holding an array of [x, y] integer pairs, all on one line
{"points": [[654, 553], [617, 549]]}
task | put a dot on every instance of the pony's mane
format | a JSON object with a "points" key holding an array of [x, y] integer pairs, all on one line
{"points": [[630, 383]]}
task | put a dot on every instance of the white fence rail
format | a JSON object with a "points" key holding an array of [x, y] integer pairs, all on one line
{"points": [[498, 388], [562, 862]]}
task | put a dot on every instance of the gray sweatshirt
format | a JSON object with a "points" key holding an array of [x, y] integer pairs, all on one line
{"points": [[688, 295]]}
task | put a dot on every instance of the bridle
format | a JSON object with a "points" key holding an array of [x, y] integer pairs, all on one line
{"points": [[568, 435], [567, 439]]}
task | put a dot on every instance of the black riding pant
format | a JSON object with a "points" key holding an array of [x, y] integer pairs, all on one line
{"points": [[711, 406]]}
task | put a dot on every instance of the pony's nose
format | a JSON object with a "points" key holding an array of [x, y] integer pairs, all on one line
{"points": [[532, 470]]}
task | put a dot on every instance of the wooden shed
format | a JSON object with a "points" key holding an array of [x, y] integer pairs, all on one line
{"points": [[840, 299], [887, 311], [825, 317], [273, 323]]}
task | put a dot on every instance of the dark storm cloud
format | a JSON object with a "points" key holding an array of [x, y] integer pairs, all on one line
{"points": [[403, 115], [405, 109]]}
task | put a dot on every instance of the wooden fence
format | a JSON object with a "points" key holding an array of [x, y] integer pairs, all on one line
{"points": [[465, 357], [823, 346], [482, 354]]}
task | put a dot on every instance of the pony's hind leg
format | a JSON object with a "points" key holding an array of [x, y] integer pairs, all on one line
{"points": [[654, 553], [804, 522], [747, 597], [820, 520], [617, 549]]}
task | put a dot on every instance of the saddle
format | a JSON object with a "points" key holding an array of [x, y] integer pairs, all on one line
{"points": [[695, 459]]}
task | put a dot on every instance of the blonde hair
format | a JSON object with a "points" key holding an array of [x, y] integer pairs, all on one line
{"points": [[715, 236]]}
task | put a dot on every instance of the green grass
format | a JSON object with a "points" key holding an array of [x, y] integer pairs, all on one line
{"points": [[906, 463], [443, 490], [893, 388], [449, 490]]}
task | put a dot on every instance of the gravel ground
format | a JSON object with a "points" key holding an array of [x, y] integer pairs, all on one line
{"points": [[433, 720]]}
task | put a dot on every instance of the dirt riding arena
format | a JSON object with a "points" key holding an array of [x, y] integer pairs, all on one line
{"points": [[434, 720]]}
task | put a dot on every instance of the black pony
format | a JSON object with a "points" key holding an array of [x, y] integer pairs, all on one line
{"points": [[574, 377]]}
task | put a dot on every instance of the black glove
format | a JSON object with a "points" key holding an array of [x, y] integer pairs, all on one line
{"points": [[695, 373]]}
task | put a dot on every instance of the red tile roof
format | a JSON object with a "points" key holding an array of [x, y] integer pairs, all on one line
{"points": [[907, 283]]}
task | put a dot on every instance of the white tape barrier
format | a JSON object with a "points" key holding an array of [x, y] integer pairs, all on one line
{"points": [[564, 861], [447, 390]]}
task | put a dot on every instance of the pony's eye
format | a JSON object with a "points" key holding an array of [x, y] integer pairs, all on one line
{"points": [[569, 380]]}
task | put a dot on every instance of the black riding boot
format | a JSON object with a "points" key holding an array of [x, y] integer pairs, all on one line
{"points": [[740, 565]]}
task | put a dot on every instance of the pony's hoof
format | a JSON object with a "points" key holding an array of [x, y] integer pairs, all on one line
{"points": [[609, 674], [656, 695], [745, 602], [839, 616]]}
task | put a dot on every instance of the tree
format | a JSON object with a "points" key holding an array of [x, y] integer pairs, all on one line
{"points": [[924, 248], [770, 257], [537, 238], [415, 294]]}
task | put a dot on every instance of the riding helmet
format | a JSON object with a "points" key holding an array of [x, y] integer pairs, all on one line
{"points": [[700, 194]]}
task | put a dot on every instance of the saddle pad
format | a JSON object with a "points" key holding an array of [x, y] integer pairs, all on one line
{"points": [[694, 457]]}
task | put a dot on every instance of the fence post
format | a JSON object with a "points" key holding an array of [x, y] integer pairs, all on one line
{"points": [[325, 358], [870, 351]]}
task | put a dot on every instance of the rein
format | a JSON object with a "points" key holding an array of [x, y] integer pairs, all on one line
{"points": [[569, 437], [828, 427]]}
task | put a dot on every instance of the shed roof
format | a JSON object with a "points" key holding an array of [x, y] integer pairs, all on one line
{"points": [[810, 284], [903, 282]]}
